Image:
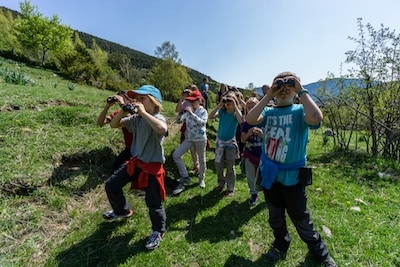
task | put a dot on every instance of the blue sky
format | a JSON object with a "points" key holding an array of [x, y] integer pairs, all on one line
{"points": [[233, 41]]}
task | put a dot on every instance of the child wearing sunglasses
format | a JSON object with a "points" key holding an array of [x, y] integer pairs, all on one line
{"points": [[285, 137], [227, 150]]}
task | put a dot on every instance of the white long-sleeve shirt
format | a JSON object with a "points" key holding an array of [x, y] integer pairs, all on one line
{"points": [[195, 124]]}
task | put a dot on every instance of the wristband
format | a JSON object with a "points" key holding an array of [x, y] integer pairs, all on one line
{"points": [[302, 92]]}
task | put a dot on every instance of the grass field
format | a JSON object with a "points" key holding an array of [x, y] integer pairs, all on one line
{"points": [[54, 160]]}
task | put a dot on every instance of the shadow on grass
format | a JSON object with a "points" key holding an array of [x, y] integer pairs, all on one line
{"points": [[92, 165], [102, 248], [190, 208], [238, 261], [213, 228]]}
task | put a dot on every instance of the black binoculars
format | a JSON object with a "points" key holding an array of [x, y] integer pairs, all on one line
{"points": [[112, 99], [288, 82], [226, 100], [130, 108]]}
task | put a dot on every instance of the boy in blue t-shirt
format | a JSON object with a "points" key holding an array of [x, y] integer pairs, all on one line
{"points": [[285, 129]]}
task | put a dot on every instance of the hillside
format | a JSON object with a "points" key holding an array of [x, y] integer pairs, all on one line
{"points": [[139, 59], [332, 85], [55, 160]]}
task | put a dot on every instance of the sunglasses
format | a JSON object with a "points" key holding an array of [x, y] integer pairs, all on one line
{"points": [[288, 82]]}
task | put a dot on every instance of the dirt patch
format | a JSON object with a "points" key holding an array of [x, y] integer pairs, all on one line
{"points": [[10, 107], [55, 103], [17, 188], [50, 103]]}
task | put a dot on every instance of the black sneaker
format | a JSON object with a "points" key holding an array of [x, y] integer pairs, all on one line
{"points": [[275, 255], [178, 189], [154, 240], [253, 199], [110, 215], [329, 262]]}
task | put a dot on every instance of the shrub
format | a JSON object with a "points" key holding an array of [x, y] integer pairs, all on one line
{"points": [[15, 77]]}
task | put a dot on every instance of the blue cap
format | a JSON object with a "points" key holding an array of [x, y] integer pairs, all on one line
{"points": [[146, 90]]}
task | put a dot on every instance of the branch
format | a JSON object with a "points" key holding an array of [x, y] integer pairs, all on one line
{"points": [[357, 110]]}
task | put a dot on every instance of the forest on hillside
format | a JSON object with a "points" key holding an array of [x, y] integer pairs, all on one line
{"points": [[31, 38]]}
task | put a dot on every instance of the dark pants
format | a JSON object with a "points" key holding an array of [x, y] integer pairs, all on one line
{"points": [[205, 97], [114, 188], [125, 155], [293, 199]]}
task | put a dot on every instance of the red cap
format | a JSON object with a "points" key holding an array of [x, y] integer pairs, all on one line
{"points": [[194, 96]]}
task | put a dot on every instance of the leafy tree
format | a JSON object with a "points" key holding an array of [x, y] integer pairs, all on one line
{"points": [[169, 77], [168, 74], [78, 63], [167, 51], [251, 86], [8, 40], [124, 67], [371, 105], [41, 34]]}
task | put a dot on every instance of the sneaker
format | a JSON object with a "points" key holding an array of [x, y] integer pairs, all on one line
{"points": [[194, 171], [178, 189], [202, 183], [229, 193], [275, 255], [253, 199], [154, 240], [185, 180], [219, 188], [329, 262], [110, 215]]}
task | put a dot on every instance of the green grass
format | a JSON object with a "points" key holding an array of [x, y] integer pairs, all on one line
{"points": [[55, 159]]}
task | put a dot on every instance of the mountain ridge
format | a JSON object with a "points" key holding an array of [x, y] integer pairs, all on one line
{"points": [[138, 59]]}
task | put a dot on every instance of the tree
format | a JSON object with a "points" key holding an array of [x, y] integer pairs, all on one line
{"points": [[371, 105], [41, 34], [251, 86], [8, 41], [167, 51], [170, 77], [123, 65], [168, 74], [78, 63]]}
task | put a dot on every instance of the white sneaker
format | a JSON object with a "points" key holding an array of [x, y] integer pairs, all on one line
{"points": [[202, 183]]}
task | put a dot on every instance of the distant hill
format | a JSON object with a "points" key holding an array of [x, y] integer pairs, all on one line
{"points": [[332, 85], [139, 59]]}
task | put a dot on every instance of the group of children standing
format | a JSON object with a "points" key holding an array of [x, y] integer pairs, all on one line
{"points": [[275, 139]]}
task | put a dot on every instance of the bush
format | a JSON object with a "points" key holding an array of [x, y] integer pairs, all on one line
{"points": [[15, 77]]}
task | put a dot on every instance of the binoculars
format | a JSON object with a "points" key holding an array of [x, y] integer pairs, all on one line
{"points": [[130, 108], [112, 99], [288, 82], [226, 100]]}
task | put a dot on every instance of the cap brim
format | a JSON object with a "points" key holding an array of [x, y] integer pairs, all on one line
{"points": [[132, 94]]}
